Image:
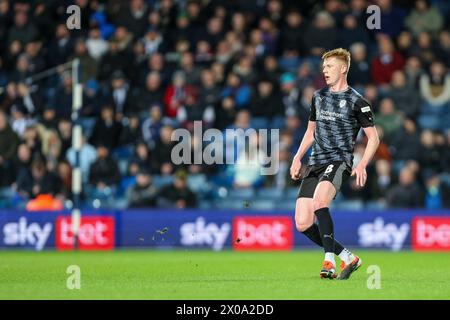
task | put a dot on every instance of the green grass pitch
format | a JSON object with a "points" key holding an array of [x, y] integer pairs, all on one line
{"points": [[190, 274]]}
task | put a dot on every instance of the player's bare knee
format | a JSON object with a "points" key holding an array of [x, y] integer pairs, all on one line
{"points": [[302, 226], [319, 203]]}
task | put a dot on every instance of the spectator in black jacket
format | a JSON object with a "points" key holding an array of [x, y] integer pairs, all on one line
{"points": [[106, 130], [119, 95], [292, 34], [407, 193], [37, 180], [8, 145], [359, 73], [266, 102], [143, 194], [406, 142], [321, 34], [104, 171], [406, 99], [178, 194], [153, 93], [164, 149]]}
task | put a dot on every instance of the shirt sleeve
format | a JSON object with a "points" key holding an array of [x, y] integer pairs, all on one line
{"points": [[312, 114], [364, 113]]}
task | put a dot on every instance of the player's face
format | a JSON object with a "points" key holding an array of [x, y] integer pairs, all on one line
{"points": [[332, 70]]}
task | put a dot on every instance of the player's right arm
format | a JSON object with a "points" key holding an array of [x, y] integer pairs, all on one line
{"points": [[307, 141]]}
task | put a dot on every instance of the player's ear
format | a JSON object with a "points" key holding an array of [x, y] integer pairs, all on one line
{"points": [[344, 68]]}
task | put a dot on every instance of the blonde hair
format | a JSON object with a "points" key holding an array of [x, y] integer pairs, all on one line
{"points": [[339, 53]]}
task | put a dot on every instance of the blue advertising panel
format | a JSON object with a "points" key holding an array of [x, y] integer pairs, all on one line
{"points": [[205, 229]]}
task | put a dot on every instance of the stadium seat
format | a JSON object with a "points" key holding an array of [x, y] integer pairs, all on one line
{"points": [[161, 181], [262, 204], [270, 193], [241, 193]]}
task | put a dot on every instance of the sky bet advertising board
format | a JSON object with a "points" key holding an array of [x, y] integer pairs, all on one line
{"points": [[245, 230]]}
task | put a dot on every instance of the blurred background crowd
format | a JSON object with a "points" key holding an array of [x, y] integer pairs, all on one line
{"points": [[149, 67]]}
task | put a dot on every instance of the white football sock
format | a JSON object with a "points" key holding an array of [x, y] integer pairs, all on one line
{"points": [[329, 256], [346, 256]]}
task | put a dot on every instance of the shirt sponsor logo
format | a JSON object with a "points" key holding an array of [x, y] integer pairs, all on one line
{"points": [[329, 115]]}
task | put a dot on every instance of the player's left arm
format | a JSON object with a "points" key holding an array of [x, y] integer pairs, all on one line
{"points": [[364, 114]]}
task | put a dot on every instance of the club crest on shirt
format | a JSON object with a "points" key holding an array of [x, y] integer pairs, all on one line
{"points": [[342, 103]]}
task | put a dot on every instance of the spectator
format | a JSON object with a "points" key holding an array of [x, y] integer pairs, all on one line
{"points": [[392, 18], [292, 34], [247, 170], [88, 156], [225, 113], [104, 171], [130, 132], [175, 94], [88, 65], [430, 155], [37, 180], [61, 46], [23, 30], [151, 127], [178, 194], [321, 35], [386, 62], [238, 90], [8, 145], [95, 44], [435, 90], [153, 93], [143, 194], [405, 99], [266, 102], [144, 159], [106, 130], [352, 32], [379, 186], [388, 118], [62, 101], [164, 145], [406, 142], [407, 193], [424, 18], [22, 160], [359, 73], [119, 94], [433, 194], [114, 59], [133, 17]]}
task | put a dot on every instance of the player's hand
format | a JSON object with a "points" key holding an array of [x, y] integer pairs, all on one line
{"points": [[361, 175], [295, 169]]}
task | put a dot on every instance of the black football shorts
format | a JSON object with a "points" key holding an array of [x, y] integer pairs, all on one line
{"points": [[335, 172]]}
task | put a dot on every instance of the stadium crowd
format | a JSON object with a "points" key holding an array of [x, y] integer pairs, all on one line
{"points": [[149, 67]]}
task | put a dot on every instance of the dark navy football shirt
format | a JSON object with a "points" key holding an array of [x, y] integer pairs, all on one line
{"points": [[339, 117]]}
